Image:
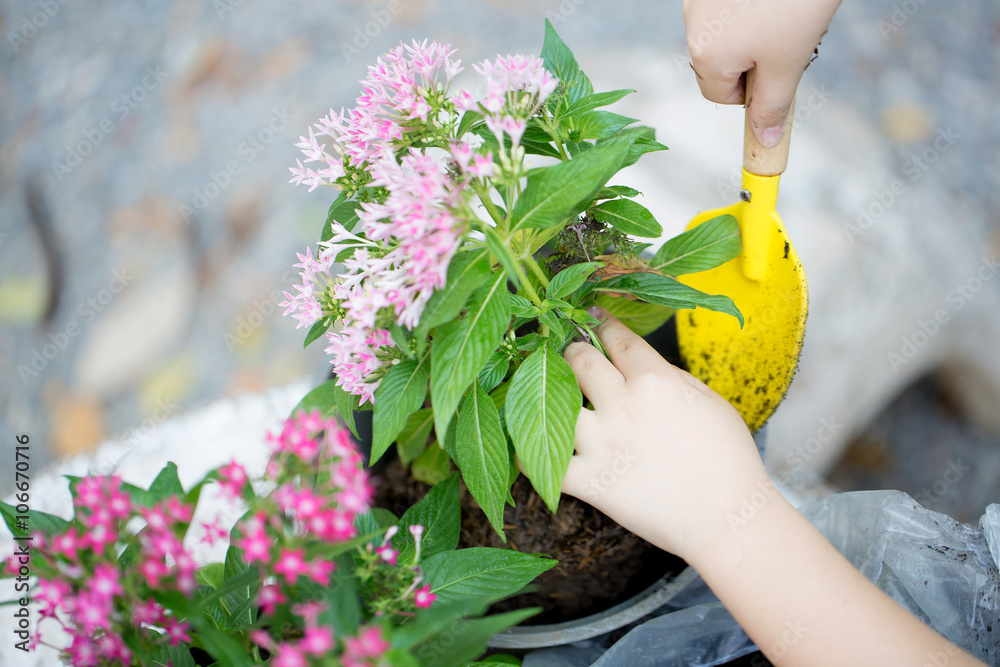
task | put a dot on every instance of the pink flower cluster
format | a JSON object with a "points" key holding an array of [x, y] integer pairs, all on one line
{"points": [[82, 587], [408, 234]]}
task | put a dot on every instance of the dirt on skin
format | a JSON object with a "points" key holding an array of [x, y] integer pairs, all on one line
{"points": [[600, 563]]}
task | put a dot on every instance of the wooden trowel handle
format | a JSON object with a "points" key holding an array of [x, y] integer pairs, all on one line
{"points": [[756, 158]]}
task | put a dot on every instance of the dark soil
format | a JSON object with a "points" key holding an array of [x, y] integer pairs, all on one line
{"points": [[600, 563]]}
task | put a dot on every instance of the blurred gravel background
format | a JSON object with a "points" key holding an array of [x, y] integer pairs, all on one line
{"points": [[146, 226]]}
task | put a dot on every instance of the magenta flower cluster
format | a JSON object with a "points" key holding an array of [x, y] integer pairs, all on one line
{"points": [[117, 610], [398, 155]]}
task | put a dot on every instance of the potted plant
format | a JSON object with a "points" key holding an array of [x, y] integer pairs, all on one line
{"points": [[473, 234], [311, 575]]}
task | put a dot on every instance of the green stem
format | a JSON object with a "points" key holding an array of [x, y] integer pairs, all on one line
{"points": [[537, 270], [528, 287], [484, 197]]}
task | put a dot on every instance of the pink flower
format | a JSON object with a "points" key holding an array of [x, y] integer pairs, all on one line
{"points": [[52, 594], [178, 511], [368, 644], [416, 531], [147, 612], [176, 630], [214, 532], [309, 611], [232, 480], [112, 647], [320, 571], [82, 652], [317, 640], [153, 569], [269, 598], [262, 639], [423, 598], [388, 554], [104, 582], [256, 544], [291, 563], [156, 518], [67, 543], [91, 612], [288, 656]]}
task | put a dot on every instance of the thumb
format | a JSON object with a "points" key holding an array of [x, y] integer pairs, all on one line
{"points": [[770, 101]]}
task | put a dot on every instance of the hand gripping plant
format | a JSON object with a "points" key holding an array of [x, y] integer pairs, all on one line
{"points": [[474, 232]]}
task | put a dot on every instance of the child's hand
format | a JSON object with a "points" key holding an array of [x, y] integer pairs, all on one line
{"points": [[660, 453], [778, 37]]}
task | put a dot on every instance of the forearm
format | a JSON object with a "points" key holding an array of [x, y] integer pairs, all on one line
{"points": [[801, 601]]}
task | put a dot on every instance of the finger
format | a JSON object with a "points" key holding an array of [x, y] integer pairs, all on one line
{"points": [[628, 351], [770, 100], [598, 378], [577, 479], [723, 86]]}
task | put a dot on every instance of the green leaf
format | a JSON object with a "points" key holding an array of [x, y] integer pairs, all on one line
{"points": [[481, 573], [569, 279], [165, 654], [556, 330], [318, 329], [643, 140], [374, 520], [628, 217], [467, 271], [462, 346], [433, 466], [615, 191], [412, 440], [469, 118], [666, 291], [598, 125], [560, 191], [591, 102], [559, 60], [521, 307], [47, 524], [343, 211], [434, 621], [494, 371], [212, 574], [481, 453], [322, 398], [166, 484], [502, 252], [439, 513], [641, 317], [343, 607], [400, 394], [454, 648], [541, 411], [704, 247], [347, 404]]}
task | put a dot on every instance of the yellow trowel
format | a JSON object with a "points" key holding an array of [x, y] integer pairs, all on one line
{"points": [[753, 366]]}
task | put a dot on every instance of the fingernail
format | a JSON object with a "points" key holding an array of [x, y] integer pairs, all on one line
{"points": [[771, 136], [598, 312]]}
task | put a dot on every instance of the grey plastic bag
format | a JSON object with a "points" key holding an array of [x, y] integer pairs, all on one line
{"points": [[943, 571]]}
